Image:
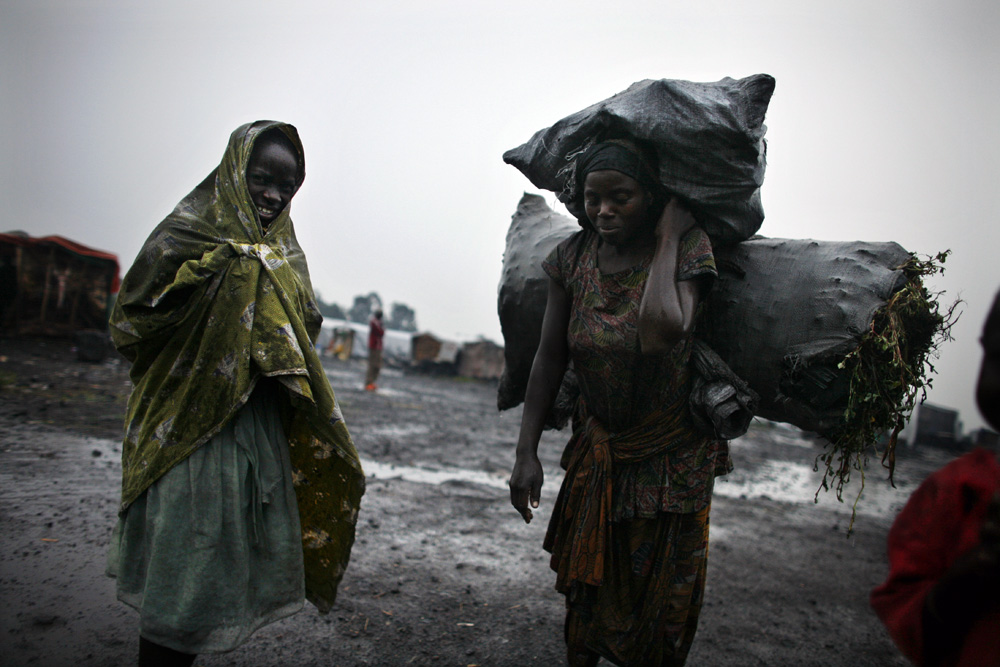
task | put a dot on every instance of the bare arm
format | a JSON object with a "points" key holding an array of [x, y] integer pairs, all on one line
{"points": [[666, 312], [543, 385]]}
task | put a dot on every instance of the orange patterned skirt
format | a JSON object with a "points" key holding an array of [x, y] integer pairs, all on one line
{"points": [[646, 610]]}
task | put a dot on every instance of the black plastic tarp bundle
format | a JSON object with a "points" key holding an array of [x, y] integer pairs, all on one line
{"points": [[709, 139], [535, 229], [783, 314]]}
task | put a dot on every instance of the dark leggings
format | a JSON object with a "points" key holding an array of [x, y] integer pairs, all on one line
{"points": [[154, 655], [574, 632]]}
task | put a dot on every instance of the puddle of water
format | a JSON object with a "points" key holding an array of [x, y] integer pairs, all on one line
{"points": [[717, 533], [342, 374], [389, 392], [398, 430], [794, 439], [425, 476], [345, 380], [778, 480], [774, 433], [797, 483]]}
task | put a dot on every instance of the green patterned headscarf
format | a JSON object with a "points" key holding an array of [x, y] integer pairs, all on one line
{"points": [[213, 303]]}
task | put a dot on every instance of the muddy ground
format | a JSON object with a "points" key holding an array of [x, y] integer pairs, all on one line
{"points": [[444, 572]]}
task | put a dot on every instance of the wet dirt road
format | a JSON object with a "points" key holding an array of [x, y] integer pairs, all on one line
{"points": [[444, 572]]}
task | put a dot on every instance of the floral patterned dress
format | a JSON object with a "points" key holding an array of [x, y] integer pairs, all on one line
{"points": [[633, 591]]}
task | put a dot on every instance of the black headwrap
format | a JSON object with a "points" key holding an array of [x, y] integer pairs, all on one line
{"points": [[619, 157]]}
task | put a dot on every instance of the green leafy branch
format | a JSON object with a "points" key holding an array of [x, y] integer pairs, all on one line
{"points": [[890, 370]]}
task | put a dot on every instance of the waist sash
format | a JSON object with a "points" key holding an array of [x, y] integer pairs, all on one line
{"points": [[577, 536]]}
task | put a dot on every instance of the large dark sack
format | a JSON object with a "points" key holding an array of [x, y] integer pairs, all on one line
{"points": [[709, 139], [782, 315], [535, 229]]}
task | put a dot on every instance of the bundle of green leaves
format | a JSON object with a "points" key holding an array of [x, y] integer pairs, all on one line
{"points": [[890, 371]]}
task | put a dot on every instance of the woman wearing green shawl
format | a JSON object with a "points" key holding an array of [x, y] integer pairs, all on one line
{"points": [[240, 482]]}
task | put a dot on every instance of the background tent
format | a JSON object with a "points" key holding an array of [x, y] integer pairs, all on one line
{"points": [[53, 286], [481, 359]]}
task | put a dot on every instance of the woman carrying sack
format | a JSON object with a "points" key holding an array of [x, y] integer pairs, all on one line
{"points": [[629, 531]]}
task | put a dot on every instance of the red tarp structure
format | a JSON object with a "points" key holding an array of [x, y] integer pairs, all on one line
{"points": [[54, 286]]}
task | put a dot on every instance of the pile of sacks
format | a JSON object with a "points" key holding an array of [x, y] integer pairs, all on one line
{"points": [[783, 314]]}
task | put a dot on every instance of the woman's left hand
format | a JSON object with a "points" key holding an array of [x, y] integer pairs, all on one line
{"points": [[675, 221]]}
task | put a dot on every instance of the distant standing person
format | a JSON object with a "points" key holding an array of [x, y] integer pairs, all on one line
{"points": [[376, 331], [941, 601], [240, 482]]}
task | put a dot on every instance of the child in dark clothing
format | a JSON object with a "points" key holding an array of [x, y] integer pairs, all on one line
{"points": [[941, 602]]}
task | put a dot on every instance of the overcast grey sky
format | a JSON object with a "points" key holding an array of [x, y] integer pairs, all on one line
{"points": [[883, 126]]}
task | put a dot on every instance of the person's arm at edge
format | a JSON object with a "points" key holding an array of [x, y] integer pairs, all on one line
{"points": [[547, 371], [965, 593]]}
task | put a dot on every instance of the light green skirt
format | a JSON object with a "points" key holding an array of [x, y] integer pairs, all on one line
{"points": [[213, 550]]}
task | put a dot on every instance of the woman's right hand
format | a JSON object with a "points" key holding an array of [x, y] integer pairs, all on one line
{"points": [[675, 221], [526, 484], [546, 375]]}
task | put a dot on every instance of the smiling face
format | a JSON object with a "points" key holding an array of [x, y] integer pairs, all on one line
{"points": [[272, 177], [618, 207]]}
